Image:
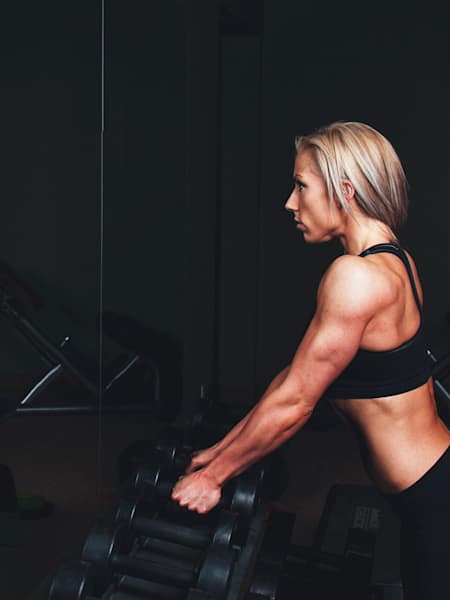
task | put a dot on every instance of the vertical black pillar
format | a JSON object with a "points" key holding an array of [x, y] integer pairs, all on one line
{"points": [[202, 150], [239, 210]]}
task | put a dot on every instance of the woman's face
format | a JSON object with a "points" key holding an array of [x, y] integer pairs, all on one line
{"points": [[309, 202]]}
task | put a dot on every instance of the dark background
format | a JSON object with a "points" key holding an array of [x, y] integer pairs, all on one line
{"points": [[147, 175]]}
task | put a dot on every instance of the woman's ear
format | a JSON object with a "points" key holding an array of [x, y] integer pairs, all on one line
{"points": [[348, 190]]}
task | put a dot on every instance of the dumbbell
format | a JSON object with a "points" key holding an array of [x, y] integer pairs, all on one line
{"points": [[77, 580], [138, 515], [109, 545], [240, 495], [169, 450]]}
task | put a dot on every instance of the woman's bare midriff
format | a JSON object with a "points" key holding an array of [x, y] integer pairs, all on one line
{"points": [[401, 436]]}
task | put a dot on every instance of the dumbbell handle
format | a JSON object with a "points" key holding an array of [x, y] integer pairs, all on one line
{"points": [[159, 528], [152, 567], [165, 548], [120, 595], [150, 589]]}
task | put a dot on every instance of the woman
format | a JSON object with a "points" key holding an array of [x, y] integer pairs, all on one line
{"points": [[364, 348]]}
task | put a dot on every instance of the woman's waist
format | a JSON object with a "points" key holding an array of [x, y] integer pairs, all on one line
{"points": [[408, 409], [400, 436]]}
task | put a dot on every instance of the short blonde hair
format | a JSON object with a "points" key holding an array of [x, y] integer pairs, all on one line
{"points": [[359, 153]]}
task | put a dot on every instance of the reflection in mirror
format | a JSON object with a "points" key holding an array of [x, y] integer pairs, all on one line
{"points": [[144, 194], [49, 285]]}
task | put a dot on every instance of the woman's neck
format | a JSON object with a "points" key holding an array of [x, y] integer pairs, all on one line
{"points": [[363, 233]]}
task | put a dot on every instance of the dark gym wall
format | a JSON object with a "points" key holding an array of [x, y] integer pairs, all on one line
{"points": [[145, 164], [50, 156]]}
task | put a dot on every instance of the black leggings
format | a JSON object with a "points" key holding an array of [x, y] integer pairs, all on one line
{"points": [[424, 511]]}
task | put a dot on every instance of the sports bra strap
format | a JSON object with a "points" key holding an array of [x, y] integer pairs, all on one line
{"points": [[394, 249]]}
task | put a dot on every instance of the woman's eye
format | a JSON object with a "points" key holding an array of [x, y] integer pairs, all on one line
{"points": [[299, 185]]}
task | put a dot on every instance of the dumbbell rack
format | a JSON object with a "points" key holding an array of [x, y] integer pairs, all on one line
{"points": [[245, 553], [267, 566]]}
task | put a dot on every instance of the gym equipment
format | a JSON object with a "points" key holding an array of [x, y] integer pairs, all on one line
{"points": [[236, 508], [155, 462], [131, 374], [385, 579], [112, 546], [440, 371], [241, 495], [161, 348], [270, 563], [151, 453], [77, 580], [350, 522], [355, 553], [135, 514]]}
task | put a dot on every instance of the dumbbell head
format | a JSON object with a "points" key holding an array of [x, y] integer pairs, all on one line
{"points": [[161, 478], [104, 540], [216, 571], [244, 494], [76, 580], [169, 449], [130, 507]]}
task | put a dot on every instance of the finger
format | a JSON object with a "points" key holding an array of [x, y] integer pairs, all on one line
{"points": [[195, 465], [176, 491]]}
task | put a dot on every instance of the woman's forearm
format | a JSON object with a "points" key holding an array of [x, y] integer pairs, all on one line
{"points": [[272, 422], [236, 430]]}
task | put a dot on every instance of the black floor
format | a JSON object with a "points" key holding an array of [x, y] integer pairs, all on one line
{"points": [[71, 460]]}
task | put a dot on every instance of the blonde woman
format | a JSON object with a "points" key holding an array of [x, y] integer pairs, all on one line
{"points": [[364, 349]]}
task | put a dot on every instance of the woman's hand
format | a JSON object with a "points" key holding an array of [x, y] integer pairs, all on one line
{"points": [[201, 458], [197, 491]]}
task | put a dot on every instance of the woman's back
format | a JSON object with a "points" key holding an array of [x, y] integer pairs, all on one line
{"points": [[402, 432]]}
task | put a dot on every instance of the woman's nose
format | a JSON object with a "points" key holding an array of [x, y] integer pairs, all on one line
{"points": [[291, 203]]}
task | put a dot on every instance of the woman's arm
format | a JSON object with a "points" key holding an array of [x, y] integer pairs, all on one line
{"points": [[348, 298], [204, 457]]}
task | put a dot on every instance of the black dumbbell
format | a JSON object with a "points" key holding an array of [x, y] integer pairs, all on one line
{"points": [[138, 514], [169, 450], [240, 495], [77, 580], [109, 546]]}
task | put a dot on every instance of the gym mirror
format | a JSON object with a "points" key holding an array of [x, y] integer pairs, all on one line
{"points": [[49, 284]]}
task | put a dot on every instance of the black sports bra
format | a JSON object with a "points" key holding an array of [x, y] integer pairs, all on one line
{"points": [[374, 374]]}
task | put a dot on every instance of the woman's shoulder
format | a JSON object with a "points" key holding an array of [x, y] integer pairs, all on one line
{"points": [[354, 280], [353, 270]]}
